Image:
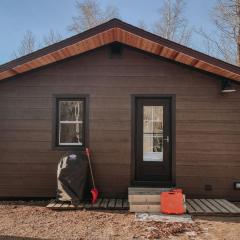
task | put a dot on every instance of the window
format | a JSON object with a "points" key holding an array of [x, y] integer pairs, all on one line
{"points": [[71, 119], [153, 133]]}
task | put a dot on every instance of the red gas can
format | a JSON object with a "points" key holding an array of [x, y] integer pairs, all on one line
{"points": [[173, 202]]}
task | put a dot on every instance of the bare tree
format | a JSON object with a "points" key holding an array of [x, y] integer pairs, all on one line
{"points": [[27, 45], [51, 38], [225, 42], [226, 17], [142, 25], [172, 24], [90, 14]]}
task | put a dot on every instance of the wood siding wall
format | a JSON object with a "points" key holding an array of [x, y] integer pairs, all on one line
{"points": [[207, 123]]}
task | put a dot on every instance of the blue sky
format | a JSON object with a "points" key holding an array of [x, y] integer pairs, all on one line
{"points": [[39, 16]]}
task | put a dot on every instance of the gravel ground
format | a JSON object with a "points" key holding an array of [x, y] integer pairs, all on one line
{"points": [[31, 220]]}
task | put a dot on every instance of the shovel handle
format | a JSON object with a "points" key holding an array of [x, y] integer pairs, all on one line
{"points": [[90, 165], [87, 152]]}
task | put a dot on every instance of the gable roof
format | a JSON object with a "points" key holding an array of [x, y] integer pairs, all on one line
{"points": [[118, 31]]}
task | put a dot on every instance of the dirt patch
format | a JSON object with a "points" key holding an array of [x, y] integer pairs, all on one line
{"points": [[214, 228], [31, 220], [22, 220]]}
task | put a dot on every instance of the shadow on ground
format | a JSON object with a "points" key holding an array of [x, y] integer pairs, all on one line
{"points": [[226, 219], [25, 203]]}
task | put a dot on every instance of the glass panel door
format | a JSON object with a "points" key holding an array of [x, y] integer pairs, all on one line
{"points": [[153, 133], [152, 146]]}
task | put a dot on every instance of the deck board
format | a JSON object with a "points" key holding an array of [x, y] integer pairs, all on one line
{"points": [[101, 203], [212, 207], [229, 206], [104, 203], [206, 207], [217, 205], [125, 204], [87, 205], [202, 206], [58, 205], [51, 204], [97, 203], [119, 204], [190, 209], [111, 204], [196, 207]]}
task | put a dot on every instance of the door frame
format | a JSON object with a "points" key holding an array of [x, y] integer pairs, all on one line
{"points": [[172, 98]]}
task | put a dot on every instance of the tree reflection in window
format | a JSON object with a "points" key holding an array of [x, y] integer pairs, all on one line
{"points": [[71, 122], [153, 133]]}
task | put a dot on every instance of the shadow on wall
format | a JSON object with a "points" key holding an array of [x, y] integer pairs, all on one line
{"points": [[3, 237]]}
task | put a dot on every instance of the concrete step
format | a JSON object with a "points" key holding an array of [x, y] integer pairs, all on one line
{"points": [[146, 199], [146, 208], [145, 195]]}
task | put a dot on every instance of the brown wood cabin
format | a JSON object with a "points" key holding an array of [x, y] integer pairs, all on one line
{"points": [[153, 113]]}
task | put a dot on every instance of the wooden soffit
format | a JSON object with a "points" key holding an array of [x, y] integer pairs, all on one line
{"points": [[118, 31]]}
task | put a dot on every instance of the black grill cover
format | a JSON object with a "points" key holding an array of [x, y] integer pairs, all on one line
{"points": [[71, 177]]}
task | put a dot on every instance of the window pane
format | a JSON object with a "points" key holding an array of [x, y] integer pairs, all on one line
{"points": [[153, 133], [157, 113], [71, 134], [147, 113], [71, 110], [157, 144], [157, 127], [147, 126]]}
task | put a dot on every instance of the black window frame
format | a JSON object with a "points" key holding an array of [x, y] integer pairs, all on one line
{"points": [[55, 124]]}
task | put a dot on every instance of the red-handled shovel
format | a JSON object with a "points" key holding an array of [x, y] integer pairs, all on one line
{"points": [[94, 190]]}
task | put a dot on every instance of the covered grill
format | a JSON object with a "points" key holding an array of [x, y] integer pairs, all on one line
{"points": [[71, 177]]}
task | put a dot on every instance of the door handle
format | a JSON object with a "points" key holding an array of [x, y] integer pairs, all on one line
{"points": [[166, 139]]}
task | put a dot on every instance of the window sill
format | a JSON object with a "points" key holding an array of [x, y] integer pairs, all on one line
{"points": [[68, 148]]}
